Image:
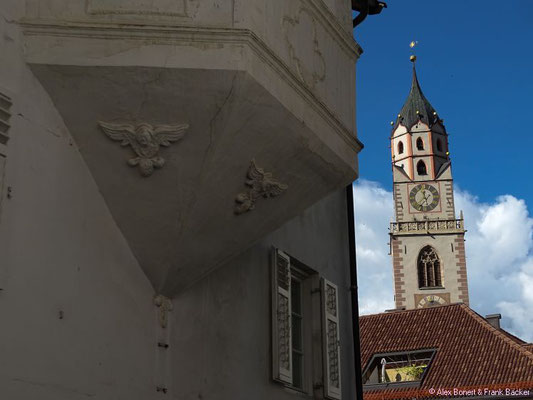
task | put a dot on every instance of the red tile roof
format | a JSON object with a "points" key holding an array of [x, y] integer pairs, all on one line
{"points": [[470, 352]]}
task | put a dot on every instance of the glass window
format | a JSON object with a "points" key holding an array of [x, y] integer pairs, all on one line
{"points": [[297, 334]]}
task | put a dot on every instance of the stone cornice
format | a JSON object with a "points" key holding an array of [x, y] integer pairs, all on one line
{"points": [[185, 35], [332, 25], [427, 227]]}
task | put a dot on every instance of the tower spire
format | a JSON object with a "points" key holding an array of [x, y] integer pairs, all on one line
{"points": [[417, 107], [427, 240]]}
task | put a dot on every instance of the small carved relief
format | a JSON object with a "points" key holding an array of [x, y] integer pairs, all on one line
{"points": [[261, 184], [145, 140], [304, 50], [165, 305]]}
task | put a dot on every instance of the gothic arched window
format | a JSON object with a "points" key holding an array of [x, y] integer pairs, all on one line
{"points": [[439, 145], [419, 144], [421, 168], [429, 272], [400, 148]]}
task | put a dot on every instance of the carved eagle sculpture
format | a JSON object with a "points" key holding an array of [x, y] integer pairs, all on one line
{"points": [[366, 7], [261, 184], [145, 140]]}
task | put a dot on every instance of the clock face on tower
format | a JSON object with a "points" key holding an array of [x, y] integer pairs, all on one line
{"points": [[431, 301], [424, 197]]}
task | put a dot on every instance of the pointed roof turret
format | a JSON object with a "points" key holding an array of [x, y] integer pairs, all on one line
{"points": [[416, 107]]}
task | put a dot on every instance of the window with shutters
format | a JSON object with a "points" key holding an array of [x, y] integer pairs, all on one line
{"points": [[304, 309]]}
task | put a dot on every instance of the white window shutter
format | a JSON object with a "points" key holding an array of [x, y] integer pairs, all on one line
{"points": [[281, 318], [331, 340], [5, 115]]}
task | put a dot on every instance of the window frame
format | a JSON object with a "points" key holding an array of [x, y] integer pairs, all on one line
{"points": [[320, 378], [376, 358], [310, 313], [304, 278]]}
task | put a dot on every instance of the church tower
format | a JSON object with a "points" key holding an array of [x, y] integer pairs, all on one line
{"points": [[427, 239]]}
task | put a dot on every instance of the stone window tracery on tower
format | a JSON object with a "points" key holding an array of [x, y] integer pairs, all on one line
{"points": [[429, 271]]}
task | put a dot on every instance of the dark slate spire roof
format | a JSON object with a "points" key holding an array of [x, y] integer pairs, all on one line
{"points": [[416, 101]]}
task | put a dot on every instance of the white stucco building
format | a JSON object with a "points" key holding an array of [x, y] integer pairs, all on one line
{"points": [[173, 215]]}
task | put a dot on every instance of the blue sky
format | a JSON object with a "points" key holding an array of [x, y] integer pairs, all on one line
{"points": [[475, 65]]}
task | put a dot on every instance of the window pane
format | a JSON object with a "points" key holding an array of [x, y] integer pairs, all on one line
{"points": [[296, 296], [297, 370], [297, 333]]}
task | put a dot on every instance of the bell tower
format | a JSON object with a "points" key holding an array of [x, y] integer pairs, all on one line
{"points": [[427, 239]]}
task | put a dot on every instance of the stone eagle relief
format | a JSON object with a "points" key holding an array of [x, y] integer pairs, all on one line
{"points": [[145, 140], [261, 184]]}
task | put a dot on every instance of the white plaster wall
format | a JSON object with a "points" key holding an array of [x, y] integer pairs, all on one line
{"points": [[400, 134], [313, 42], [324, 60], [342, 9], [443, 245], [404, 159], [60, 251], [223, 350], [163, 12]]}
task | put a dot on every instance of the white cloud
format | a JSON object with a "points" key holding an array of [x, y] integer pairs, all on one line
{"points": [[373, 213], [499, 249]]}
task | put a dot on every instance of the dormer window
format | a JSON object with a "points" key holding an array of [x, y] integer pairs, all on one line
{"points": [[400, 148], [421, 168], [403, 369], [419, 144]]}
